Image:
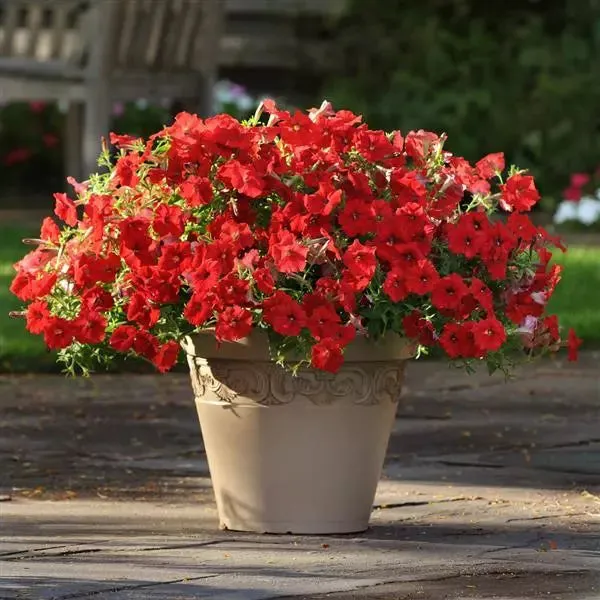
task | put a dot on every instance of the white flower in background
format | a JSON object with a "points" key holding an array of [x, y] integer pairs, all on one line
{"points": [[585, 211], [566, 211], [588, 210]]}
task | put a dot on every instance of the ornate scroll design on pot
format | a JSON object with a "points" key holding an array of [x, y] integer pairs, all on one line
{"points": [[285, 387], [266, 384], [233, 380], [387, 383]]}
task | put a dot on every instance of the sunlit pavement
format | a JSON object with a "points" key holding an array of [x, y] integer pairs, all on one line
{"points": [[491, 490]]}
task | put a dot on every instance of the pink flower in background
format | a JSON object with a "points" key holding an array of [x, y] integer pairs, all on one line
{"points": [[50, 140], [16, 156], [118, 109], [578, 180], [572, 194], [37, 106]]}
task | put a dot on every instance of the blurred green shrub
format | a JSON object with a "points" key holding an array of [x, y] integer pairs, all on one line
{"points": [[30, 146], [520, 76], [32, 138]]}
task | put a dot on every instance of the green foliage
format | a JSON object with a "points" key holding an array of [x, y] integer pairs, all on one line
{"points": [[140, 119], [576, 299], [521, 77]]}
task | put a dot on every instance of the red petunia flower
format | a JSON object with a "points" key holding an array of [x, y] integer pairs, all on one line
{"points": [[284, 314], [145, 345], [97, 300], [322, 202], [418, 328], [243, 178], [199, 309], [489, 334], [234, 323], [550, 324], [373, 145], [90, 328], [521, 227], [464, 239], [141, 311], [65, 209], [167, 356], [482, 294], [168, 220], [175, 257], [50, 231], [343, 334], [89, 270], [197, 191], [357, 218], [126, 170], [448, 292], [38, 317], [519, 193], [407, 255], [361, 261], [232, 290], [419, 144], [264, 280], [58, 333], [489, 166], [122, 338], [422, 279], [573, 345], [395, 285], [202, 276], [323, 322], [456, 340], [288, 254], [327, 356]]}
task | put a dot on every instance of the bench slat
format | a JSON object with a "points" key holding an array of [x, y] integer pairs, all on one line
{"points": [[11, 21], [58, 27], [190, 15], [156, 13], [206, 49], [33, 25], [127, 16]]}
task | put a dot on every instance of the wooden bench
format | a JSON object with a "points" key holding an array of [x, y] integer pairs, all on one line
{"points": [[90, 53]]}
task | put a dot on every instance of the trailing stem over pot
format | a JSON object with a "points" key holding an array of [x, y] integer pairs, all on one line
{"points": [[311, 227]]}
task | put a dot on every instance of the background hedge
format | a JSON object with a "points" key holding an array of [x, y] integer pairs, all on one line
{"points": [[519, 76]]}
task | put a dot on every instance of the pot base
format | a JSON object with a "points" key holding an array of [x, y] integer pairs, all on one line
{"points": [[293, 528]]}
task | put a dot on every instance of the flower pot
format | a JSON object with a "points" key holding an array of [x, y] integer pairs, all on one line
{"points": [[295, 454]]}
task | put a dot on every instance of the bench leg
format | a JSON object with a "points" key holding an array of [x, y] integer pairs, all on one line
{"points": [[96, 126], [73, 140]]}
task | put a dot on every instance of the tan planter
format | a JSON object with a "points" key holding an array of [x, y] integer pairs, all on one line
{"points": [[295, 454]]}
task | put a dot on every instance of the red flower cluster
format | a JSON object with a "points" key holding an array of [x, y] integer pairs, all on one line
{"points": [[312, 227]]}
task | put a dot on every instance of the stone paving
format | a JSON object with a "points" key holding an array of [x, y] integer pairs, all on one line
{"points": [[490, 490]]}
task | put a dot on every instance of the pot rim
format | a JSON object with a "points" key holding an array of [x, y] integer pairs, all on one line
{"points": [[255, 347]]}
